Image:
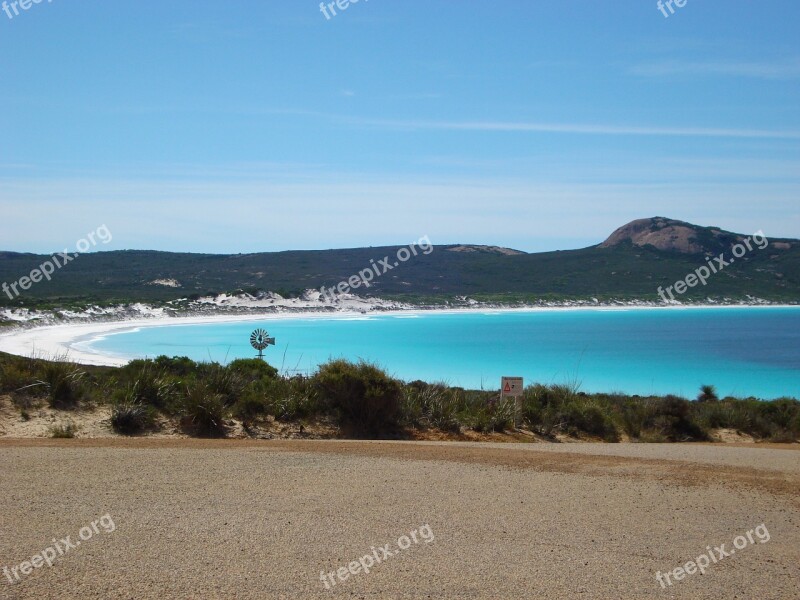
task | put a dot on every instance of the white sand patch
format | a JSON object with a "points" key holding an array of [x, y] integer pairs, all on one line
{"points": [[173, 283]]}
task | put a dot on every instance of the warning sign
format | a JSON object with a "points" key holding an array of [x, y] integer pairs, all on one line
{"points": [[511, 387]]}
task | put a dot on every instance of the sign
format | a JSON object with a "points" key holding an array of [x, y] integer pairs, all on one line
{"points": [[511, 387]]}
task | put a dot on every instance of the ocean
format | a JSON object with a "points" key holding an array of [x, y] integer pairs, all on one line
{"points": [[743, 351]]}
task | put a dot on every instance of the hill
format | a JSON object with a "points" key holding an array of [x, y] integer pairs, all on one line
{"points": [[631, 264]]}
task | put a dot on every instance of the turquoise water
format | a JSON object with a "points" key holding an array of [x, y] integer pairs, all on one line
{"points": [[742, 351]]}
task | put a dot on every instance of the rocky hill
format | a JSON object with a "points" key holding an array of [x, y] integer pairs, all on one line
{"points": [[630, 265]]}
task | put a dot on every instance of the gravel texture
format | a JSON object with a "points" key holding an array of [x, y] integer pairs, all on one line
{"points": [[247, 519]]}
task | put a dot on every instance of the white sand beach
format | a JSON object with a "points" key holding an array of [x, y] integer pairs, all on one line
{"points": [[72, 340]]}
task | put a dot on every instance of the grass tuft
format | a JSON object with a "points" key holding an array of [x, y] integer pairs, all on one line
{"points": [[65, 430], [131, 418]]}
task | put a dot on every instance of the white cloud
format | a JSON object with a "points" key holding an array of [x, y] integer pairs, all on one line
{"points": [[578, 128], [545, 127]]}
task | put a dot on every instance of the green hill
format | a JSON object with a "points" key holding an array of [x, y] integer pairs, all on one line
{"points": [[631, 264]]}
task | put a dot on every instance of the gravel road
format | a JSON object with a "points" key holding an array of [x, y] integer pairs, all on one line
{"points": [[246, 519]]}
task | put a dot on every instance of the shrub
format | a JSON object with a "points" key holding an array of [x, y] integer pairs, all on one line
{"points": [[293, 398], [225, 382], [560, 408], [67, 429], [253, 369], [151, 386], [286, 399], [366, 399], [411, 407], [581, 415], [494, 415], [13, 377], [202, 411], [708, 393], [670, 418], [778, 420], [178, 366], [629, 414], [534, 400], [431, 405], [713, 415], [64, 384], [130, 418], [542, 407], [783, 412], [249, 408]]}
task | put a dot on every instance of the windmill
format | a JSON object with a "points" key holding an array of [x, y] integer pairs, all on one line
{"points": [[259, 340]]}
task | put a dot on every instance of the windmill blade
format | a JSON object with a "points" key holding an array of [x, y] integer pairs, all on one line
{"points": [[259, 340]]}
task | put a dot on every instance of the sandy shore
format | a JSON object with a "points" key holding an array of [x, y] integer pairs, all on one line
{"points": [[73, 340], [233, 519]]}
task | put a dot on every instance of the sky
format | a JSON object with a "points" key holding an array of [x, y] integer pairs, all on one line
{"points": [[247, 126]]}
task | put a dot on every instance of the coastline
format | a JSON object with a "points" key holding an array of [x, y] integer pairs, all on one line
{"points": [[70, 340]]}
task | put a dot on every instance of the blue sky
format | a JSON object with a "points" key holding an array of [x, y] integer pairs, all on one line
{"points": [[261, 125]]}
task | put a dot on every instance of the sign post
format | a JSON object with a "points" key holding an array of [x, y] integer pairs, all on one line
{"points": [[512, 387]]}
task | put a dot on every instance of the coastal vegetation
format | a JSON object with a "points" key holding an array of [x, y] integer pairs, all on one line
{"points": [[630, 265], [359, 400]]}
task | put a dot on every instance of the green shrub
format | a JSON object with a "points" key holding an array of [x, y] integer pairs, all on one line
{"points": [[586, 416], [253, 369], [713, 415], [431, 405], [287, 399], [629, 414], [708, 393], [294, 398], [224, 382], [542, 407], [249, 407], [64, 384], [783, 413], [794, 424], [534, 400], [670, 418], [778, 420], [485, 415], [202, 411], [14, 377], [562, 409], [130, 418], [178, 366], [411, 408], [366, 399], [149, 385]]}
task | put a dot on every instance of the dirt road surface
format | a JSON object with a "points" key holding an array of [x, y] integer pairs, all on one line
{"points": [[264, 519]]}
